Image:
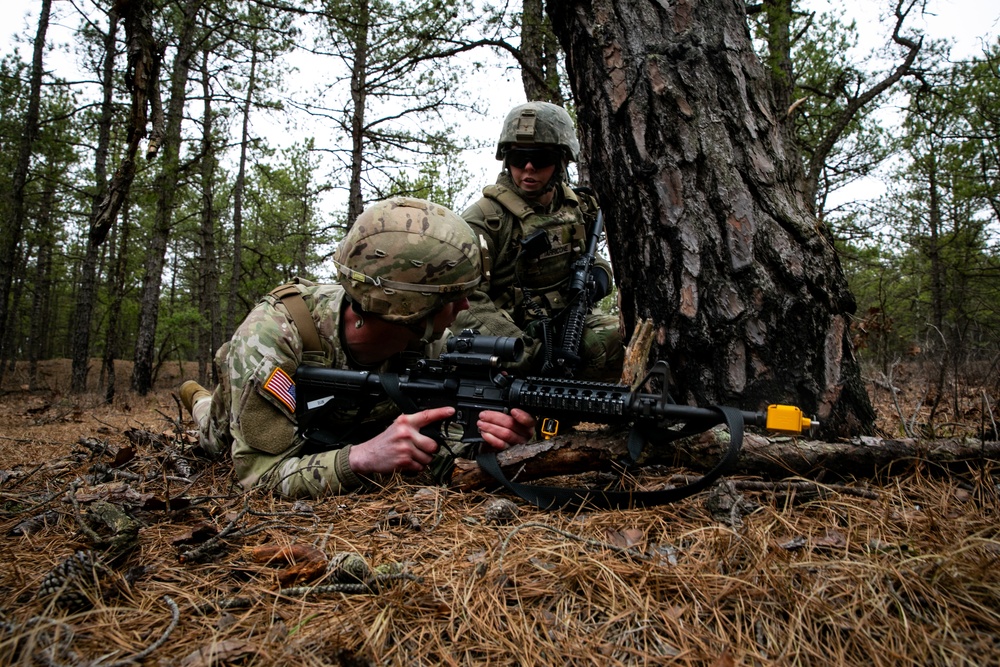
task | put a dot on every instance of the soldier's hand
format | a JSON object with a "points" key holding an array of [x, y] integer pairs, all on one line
{"points": [[500, 430], [401, 447]]}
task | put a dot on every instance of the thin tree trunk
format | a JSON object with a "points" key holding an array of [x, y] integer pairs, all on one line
{"points": [[12, 226], [937, 271], [143, 82], [117, 277], [779, 48], [209, 335], [238, 194], [39, 332], [359, 74], [15, 327], [710, 233], [539, 55], [82, 319], [165, 186]]}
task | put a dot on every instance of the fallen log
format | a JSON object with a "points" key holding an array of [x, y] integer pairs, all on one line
{"points": [[766, 457]]}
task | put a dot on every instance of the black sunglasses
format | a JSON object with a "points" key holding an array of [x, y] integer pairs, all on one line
{"points": [[540, 158]]}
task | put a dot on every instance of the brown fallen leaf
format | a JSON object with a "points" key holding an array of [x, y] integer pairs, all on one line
{"points": [[629, 537], [301, 573], [198, 533], [307, 562], [288, 553], [218, 653], [833, 539], [124, 455]]}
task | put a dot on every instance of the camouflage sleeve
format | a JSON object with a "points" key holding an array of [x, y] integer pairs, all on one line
{"points": [[263, 356], [484, 314], [314, 475]]}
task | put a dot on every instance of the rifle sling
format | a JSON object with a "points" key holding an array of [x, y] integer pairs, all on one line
{"points": [[553, 497], [291, 298], [390, 384]]}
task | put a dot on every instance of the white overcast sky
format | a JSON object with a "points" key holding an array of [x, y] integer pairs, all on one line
{"points": [[970, 23]]}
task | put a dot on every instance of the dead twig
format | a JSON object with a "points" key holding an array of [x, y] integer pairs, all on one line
{"points": [[232, 531], [87, 530], [175, 615]]}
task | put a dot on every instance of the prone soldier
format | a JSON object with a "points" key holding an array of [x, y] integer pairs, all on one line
{"points": [[405, 270]]}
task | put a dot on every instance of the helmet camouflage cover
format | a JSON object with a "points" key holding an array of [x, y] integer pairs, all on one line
{"points": [[405, 258], [539, 123]]}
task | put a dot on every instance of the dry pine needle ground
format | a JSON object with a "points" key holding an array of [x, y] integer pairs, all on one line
{"points": [[909, 576]]}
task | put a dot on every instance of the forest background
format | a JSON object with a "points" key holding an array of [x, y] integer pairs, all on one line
{"points": [[120, 539], [281, 121]]}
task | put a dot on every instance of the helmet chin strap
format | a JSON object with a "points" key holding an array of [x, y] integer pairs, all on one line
{"points": [[427, 337], [428, 331]]}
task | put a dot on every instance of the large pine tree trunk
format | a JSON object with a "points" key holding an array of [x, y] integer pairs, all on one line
{"points": [[710, 235]]}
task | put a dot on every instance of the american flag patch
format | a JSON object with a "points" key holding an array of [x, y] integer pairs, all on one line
{"points": [[281, 386]]}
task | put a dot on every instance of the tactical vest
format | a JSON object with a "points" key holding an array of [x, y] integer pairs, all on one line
{"points": [[565, 230]]}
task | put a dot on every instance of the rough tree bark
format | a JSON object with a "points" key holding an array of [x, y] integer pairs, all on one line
{"points": [[769, 458], [709, 230], [539, 52]]}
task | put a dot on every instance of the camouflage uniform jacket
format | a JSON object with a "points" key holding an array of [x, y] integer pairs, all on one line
{"points": [[500, 307], [253, 407]]}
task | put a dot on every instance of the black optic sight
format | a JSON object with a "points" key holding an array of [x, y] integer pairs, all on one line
{"points": [[472, 349]]}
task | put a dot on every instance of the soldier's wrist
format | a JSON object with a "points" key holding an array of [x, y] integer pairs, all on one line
{"points": [[342, 467]]}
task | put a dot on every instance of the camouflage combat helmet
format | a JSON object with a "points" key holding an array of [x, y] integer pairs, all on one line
{"points": [[539, 123], [404, 258]]}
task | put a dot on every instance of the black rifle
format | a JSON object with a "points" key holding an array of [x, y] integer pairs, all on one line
{"points": [[581, 289], [467, 377]]}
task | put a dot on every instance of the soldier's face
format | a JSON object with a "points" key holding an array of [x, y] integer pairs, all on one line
{"points": [[531, 169], [530, 179]]}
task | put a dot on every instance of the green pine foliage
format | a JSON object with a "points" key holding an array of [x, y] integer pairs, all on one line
{"points": [[924, 261]]}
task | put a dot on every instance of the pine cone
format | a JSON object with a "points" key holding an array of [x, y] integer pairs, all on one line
{"points": [[501, 510], [346, 567], [75, 582]]}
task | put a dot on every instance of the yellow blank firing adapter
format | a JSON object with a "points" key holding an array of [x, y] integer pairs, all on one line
{"points": [[788, 419]]}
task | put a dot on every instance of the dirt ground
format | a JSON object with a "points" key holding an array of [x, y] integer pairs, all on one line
{"points": [[123, 548]]}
